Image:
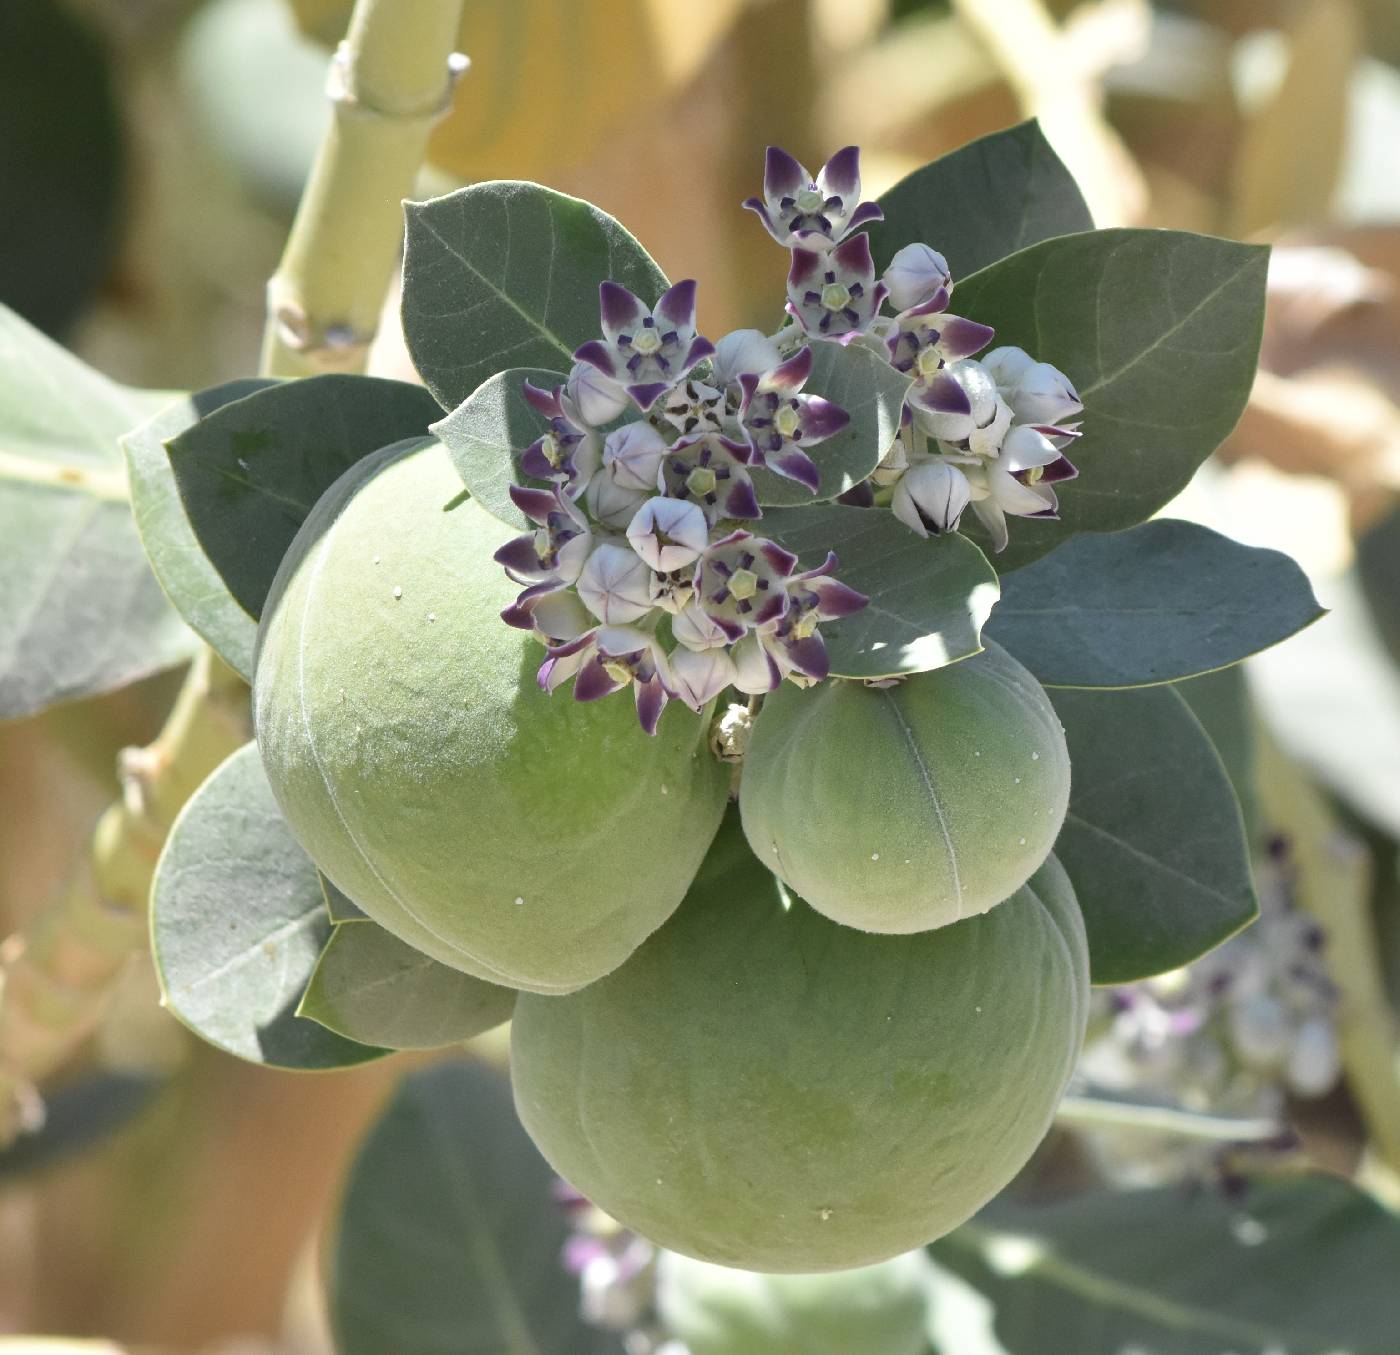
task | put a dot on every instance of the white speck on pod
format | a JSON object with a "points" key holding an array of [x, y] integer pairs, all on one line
{"points": [[874, 856], [1023, 842], [518, 901], [432, 616], [664, 791], [1035, 757], [398, 592], [1017, 780], [825, 1214], [375, 560]]}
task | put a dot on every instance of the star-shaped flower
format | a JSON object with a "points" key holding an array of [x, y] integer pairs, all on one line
{"points": [[779, 423], [814, 214], [834, 295], [712, 472], [570, 451]]}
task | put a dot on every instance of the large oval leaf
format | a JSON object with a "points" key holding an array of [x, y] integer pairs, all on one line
{"points": [[449, 1241], [237, 923], [1159, 331], [371, 987], [486, 434], [983, 201], [506, 274], [1153, 840], [190, 581], [928, 597], [1305, 1266], [872, 393], [82, 611], [249, 473], [1161, 601]]}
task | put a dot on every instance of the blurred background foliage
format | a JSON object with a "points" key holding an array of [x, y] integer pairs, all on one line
{"points": [[151, 153]]}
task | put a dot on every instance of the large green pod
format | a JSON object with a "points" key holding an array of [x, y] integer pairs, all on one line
{"points": [[908, 807], [761, 1087], [882, 1310], [525, 838]]}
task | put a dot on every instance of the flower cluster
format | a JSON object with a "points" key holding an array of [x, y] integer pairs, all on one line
{"points": [[644, 567]]}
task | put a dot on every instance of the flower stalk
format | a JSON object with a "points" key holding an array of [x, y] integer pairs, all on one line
{"points": [[390, 82]]}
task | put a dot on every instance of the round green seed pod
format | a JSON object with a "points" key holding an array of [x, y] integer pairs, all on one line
{"points": [[529, 839], [912, 806], [761, 1087], [718, 1311]]}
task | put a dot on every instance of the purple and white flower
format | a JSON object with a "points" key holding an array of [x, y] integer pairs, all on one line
{"points": [[694, 407], [712, 472], [646, 351], [834, 295], [606, 660], [926, 338], [930, 497], [951, 403], [547, 559], [1020, 481], [1036, 391], [779, 422], [668, 534], [814, 214], [569, 452]]}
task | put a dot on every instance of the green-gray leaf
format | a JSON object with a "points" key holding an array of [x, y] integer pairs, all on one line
{"points": [[1159, 331], [341, 907], [250, 472], [982, 202], [449, 1240], [1161, 601], [238, 921], [506, 274], [371, 987], [1221, 702], [82, 612], [872, 393], [928, 597], [190, 581], [1305, 1266], [1153, 840], [486, 434]]}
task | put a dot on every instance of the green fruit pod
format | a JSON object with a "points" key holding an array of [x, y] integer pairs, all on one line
{"points": [[763, 1088], [718, 1311], [528, 839], [904, 808]]}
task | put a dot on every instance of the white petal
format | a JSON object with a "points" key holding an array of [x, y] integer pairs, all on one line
{"points": [[616, 586], [598, 398], [693, 628], [994, 520], [561, 616], [612, 504], [1006, 365], [915, 273], [1025, 447], [634, 453], [754, 671], [668, 533], [700, 677], [741, 351]]}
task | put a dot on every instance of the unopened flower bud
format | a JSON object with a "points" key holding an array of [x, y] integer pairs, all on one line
{"points": [[931, 497], [668, 533], [1036, 391], [744, 351], [617, 586], [598, 398], [634, 454], [915, 275]]}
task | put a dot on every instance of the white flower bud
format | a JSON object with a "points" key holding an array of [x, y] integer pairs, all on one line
{"points": [[744, 351], [1036, 391], [931, 497], [668, 533], [693, 628], [617, 586], [612, 504], [1315, 1063], [915, 273], [700, 676], [598, 398], [634, 454], [1260, 1032], [1006, 365], [986, 440]]}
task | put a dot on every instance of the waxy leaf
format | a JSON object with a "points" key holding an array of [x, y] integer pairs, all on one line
{"points": [[1159, 332], [1221, 702], [450, 1240], [506, 274], [1161, 601], [981, 202], [341, 907], [872, 393], [238, 921], [82, 611], [185, 572], [486, 434], [928, 597], [1153, 840], [371, 987], [1304, 1265], [250, 472]]}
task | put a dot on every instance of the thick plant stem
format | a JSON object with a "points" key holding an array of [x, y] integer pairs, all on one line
{"points": [[1334, 884], [56, 974], [390, 82]]}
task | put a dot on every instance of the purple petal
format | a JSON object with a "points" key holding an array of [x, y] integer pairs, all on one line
{"points": [[858, 496], [543, 401], [1063, 469], [935, 305], [821, 418], [677, 306], [651, 701], [782, 561], [941, 394], [864, 215], [961, 338], [836, 599], [619, 308], [808, 656], [521, 560], [571, 647], [783, 177], [795, 464], [853, 254], [733, 630], [841, 174], [535, 463], [536, 504], [594, 681], [647, 395], [789, 377], [596, 354], [805, 265], [742, 502], [757, 206], [700, 347], [519, 617], [771, 608], [748, 383]]}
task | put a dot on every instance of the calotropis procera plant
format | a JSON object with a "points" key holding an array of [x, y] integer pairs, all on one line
{"points": [[887, 571]]}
